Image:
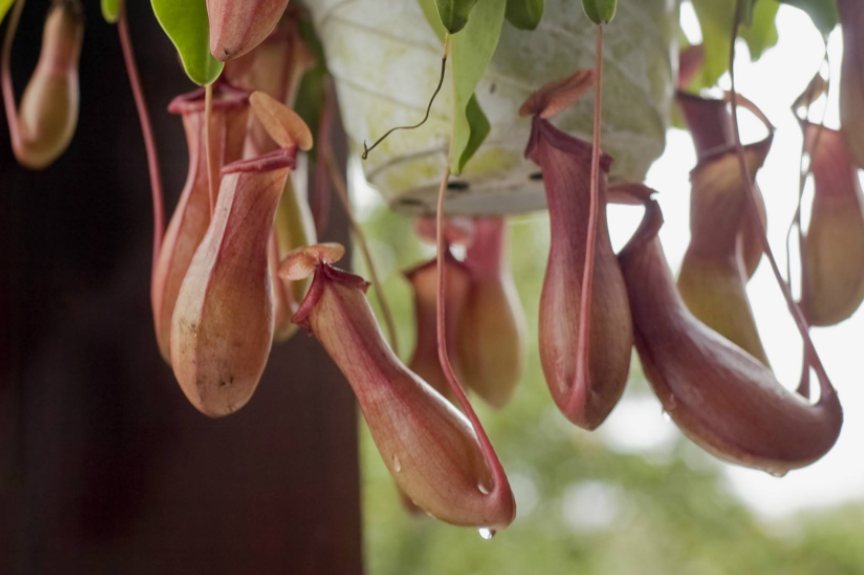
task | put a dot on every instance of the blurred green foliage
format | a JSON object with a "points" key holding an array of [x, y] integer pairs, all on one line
{"points": [[583, 508]]}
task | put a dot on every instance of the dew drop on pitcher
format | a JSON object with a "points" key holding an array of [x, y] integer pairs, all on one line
{"points": [[487, 533]]}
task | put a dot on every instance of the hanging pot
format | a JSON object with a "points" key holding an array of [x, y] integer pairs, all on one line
{"points": [[386, 61]]}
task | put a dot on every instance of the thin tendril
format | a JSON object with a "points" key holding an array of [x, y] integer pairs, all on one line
{"points": [[147, 131], [367, 149], [811, 355], [339, 184], [8, 89], [209, 150], [591, 240], [501, 484], [804, 385], [804, 173]]}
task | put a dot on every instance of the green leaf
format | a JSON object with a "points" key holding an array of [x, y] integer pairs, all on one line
{"points": [[4, 8], [187, 25], [823, 12], [715, 19], [761, 34], [525, 14], [431, 14], [600, 11], [479, 127], [454, 13], [746, 16], [472, 50], [111, 10]]}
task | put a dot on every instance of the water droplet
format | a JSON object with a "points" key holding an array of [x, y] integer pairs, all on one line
{"points": [[666, 416], [778, 473], [483, 489], [487, 533], [397, 465]]}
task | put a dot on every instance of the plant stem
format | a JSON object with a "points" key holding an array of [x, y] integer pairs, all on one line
{"points": [[499, 477], [501, 485], [341, 187], [810, 355], [8, 89], [209, 149], [804, 171], [582, 357], [147, 131]]}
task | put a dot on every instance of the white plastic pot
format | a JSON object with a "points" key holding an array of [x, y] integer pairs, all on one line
{"points": [[386, 61]]}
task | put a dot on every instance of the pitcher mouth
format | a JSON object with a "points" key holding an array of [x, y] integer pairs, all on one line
{"points": [[225, 96], [278, 159]]}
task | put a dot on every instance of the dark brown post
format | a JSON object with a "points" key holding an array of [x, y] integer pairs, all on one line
{"points": [[104, 465]]}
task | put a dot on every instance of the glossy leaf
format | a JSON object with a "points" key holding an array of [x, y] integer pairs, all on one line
{"points": [[600, 11], [761, 33], [430, 12], [187, 25], [472, 52], [110, 10], [525, 14], [454, 13], [478, 128], [478, 43]]}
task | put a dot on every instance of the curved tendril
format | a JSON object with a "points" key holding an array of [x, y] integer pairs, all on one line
{"points": [[499, 477], [810, 356], [8, 89], [804, 171], [367, 149], [582, 358], [338, 181], [147, 131]]}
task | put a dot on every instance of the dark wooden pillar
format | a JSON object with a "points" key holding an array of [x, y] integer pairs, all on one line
{"points": [[104, 465]]}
